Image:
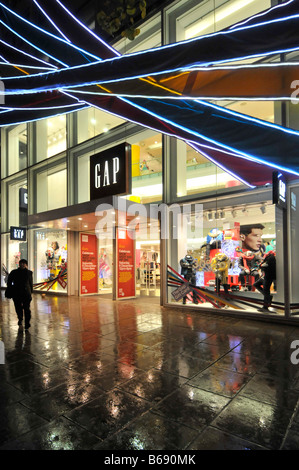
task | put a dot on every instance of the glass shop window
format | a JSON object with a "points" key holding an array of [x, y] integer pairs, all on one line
{"points": [[92, 122], [146, 160], [197, 174], [14, 149], [50, 260], [49, 186], [212, 16], [50, 137], [219, 251], [149, 37], [14, 207]]}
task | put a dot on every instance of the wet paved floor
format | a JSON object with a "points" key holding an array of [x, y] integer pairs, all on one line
{"points": [[102, 375]]}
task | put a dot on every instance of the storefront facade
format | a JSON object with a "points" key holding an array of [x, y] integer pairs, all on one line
{"points": [[126, 243]]}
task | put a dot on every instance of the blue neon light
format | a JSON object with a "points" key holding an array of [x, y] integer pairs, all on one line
{"points": [[244, 154], [50, 20], [88, 30], [46, 33]]}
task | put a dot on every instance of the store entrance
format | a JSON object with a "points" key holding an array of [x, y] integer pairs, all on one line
{"points": [[105, 268], [148, 269]]}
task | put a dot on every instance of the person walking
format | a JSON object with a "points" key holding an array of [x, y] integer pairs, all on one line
{"points": [[20, 288]]}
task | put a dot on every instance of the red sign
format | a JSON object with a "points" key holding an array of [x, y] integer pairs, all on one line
{"points": [[62, 282], [89, 264], [126, 264]]}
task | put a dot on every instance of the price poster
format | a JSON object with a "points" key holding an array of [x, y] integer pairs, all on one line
{"points": [[89, 264], [126, 287]]}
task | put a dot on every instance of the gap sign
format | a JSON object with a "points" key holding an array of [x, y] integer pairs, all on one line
{"points": [[18, 233], [110, 172], [279, 190]]}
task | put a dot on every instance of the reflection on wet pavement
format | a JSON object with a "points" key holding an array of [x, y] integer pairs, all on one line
{"points": [[96, 374]]}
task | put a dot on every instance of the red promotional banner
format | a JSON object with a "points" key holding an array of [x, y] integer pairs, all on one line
{"points": [[89, 264], [125, 264]]}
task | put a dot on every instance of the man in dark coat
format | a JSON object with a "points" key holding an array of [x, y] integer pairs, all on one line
{"points": [[268, 266], [20, 284]]}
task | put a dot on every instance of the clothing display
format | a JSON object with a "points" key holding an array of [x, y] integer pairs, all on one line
{"points": [[220, 265], [214, 238], [188, 270], [248, 263]]}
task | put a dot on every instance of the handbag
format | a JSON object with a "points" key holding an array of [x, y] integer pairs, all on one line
{"points": [[8, 292]]}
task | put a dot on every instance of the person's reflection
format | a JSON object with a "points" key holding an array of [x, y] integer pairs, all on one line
{"points": [[23, 341], [18, 360]]}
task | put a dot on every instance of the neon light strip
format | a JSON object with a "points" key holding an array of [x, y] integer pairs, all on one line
{"points": [[51, 21], [249, 118], [226, 111], [263, 13], [181, 97], [46, 33], [184, 70], [198, 149], [28, 55], [135, 77], [198, 39], [131, 54], [218, 33], [230, 151], [32, 45], [40, 108], [7, 64], [208, 139], [247, 156], [88, 30], [151, 82]]}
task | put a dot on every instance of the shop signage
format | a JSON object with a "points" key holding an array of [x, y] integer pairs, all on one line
{"points": [[89, 264], [18, 233], [126, 287], [23, 199], [181, 291], [110, 172], [62, 282], [279, 190]]}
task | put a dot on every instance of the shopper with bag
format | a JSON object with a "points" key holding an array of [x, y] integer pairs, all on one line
{"points": [[20, 288]]}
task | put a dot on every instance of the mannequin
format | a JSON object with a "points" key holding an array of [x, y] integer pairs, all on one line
{"points": [[214, 238], [248, 262], [188, 270], [220, 265]]}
